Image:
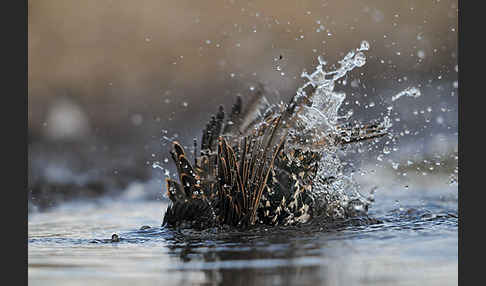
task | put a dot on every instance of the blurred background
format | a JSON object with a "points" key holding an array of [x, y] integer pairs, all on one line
{"points": [[110, 83]]}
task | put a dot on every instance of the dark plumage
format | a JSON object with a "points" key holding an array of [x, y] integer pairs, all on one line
{"points": [[244, 175]]}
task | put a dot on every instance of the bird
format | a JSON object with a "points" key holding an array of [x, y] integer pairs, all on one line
{"points": [[255, 166]]}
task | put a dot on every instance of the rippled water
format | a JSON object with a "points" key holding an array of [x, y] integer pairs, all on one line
{"points": [[415, 243]]}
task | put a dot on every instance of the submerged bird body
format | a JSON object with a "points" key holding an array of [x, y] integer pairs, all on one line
{"points": [[244, 174]]}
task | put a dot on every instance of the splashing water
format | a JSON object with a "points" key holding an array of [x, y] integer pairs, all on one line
{"points": [[317, 127], [156, 165], [336, 192], [320, 120], [411, 91]]}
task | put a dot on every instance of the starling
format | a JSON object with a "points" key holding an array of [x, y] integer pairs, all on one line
{"points": [[254, 168]]}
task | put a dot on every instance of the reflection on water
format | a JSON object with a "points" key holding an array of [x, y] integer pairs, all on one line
{"points": [[410, 244]]}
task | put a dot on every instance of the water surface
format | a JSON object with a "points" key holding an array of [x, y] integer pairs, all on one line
{"points": [[414, 244]]}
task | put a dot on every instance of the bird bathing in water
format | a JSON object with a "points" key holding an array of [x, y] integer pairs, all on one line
{"points": [[271, 164]]}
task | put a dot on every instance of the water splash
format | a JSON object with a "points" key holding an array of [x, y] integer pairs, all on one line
{"points": [[335, 191], [320, 119], [314, 126], [411, 91], [156, 165]]}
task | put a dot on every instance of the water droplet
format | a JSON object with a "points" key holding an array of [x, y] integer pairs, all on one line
{"points": [[156, 165], [364, 46], [411, 91], [321, 60], [421, 54], [359, 59]]}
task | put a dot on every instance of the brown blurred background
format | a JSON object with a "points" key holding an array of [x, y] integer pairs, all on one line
{"points": [[108, 79]]}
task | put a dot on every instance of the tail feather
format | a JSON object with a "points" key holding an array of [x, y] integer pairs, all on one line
{"points": [[234, 120], [253, 111]]}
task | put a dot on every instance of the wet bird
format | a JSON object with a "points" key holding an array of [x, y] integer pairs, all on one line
{"points": [[254, 167]]}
